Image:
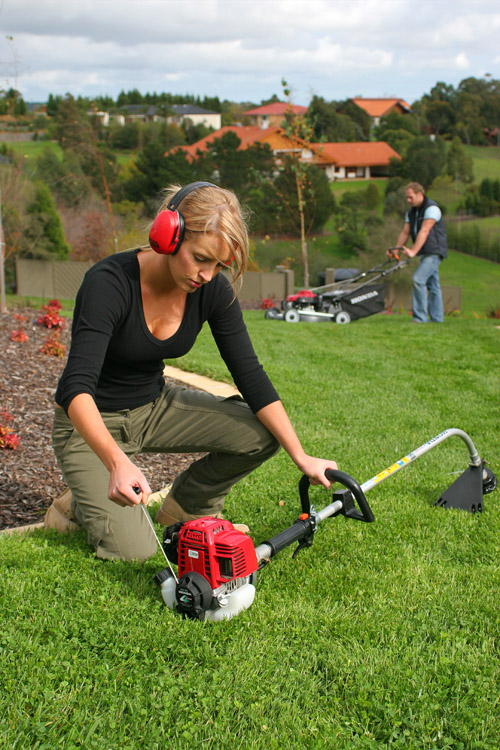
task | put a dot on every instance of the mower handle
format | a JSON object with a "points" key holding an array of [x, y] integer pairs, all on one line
{"points": [[354, 490], [394, 251]]}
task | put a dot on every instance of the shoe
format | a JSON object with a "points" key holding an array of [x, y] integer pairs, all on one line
{"points": [[171, 512], [58, 516], [159, 497]]}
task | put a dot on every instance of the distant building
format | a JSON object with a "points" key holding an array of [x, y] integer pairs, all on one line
{"points": [[362, 160], [276, 138], [36, 108], [197, 115], [272, 115], [102, 117], [139, 113], [377, 108], [339, 160]]}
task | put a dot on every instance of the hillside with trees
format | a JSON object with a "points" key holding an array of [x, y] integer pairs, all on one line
{"points": [[93, 188]]}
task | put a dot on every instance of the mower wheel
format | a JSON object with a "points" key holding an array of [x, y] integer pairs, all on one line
{"points": [[272, 313], [490, 481], [292, 316], [342, 317]]}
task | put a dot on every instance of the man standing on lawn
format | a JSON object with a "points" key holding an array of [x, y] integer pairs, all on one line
{"points": [[424, 223]]}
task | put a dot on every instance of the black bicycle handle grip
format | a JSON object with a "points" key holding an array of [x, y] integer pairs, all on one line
{"points": [[335, 475]]}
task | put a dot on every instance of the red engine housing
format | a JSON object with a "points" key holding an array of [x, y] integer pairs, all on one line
{"points": [[213, 548]]}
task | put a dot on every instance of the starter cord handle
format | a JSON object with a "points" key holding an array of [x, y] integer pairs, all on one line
{"points": [[335, 475]]}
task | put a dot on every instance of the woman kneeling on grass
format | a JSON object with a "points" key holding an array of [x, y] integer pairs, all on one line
{"points": [[133, 310]]}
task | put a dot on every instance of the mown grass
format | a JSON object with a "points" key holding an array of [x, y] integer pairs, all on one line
{"points": [[379, 636], [489, 225], [479, 279], [486, 161], [16, 301], [32, 149]]}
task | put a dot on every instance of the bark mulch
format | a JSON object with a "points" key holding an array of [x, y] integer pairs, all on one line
{"points": [[29, 476]]}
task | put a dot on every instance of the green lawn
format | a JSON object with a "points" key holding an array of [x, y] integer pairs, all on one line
{"points": [[380, 636], [32, 149], [486, 161], [479, 279], [490, 225], [339, 187]]}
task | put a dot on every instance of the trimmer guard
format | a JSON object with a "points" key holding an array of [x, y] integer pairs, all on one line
{"points": [[466, 492]]}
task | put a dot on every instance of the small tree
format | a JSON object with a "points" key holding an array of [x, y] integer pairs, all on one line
{"points": [[299, 129], [44, 232]]}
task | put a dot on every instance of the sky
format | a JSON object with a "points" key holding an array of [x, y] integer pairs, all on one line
{"points": [[241, 50]]}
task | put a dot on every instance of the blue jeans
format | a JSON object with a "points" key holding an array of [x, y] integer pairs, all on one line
{"points": [[427, 300]]}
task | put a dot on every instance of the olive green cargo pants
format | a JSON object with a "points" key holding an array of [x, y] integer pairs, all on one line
{"points": [[179, 421]]}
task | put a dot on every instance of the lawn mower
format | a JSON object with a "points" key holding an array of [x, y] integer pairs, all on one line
{"points": [[218, 564], [350, 299]]}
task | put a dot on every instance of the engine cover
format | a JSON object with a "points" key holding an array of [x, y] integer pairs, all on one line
{"points": [[213, 548]]}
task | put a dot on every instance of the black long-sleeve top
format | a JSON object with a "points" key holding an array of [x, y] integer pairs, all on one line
{"points": [[116, 359]]}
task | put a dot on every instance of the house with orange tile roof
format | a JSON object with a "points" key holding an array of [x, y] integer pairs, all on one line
{"points": [[340, 161], [278, 141], [272, 115], [362, 160], [377, 108]]}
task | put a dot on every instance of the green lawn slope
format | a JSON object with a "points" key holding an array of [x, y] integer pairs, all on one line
{"points": [[379, 636]]}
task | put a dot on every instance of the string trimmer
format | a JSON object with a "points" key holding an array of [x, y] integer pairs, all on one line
{"points": [[218, 565]]}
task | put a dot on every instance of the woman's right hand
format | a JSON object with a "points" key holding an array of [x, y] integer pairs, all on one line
{"points": [[127, 484]]}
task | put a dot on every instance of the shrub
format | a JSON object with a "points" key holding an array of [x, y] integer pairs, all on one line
{"points": [[50, 317], [19, 336], [53, 346], [8, 438]]}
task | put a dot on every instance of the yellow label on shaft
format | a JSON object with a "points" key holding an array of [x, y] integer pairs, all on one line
{"points": [[391, 470]]}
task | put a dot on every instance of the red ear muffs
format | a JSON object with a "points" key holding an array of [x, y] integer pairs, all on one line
{"points": [[166, 233]]}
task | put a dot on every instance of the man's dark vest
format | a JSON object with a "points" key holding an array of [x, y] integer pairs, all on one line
{"points": [[436, 243]]}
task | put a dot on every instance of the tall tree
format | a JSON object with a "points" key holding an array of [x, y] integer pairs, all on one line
{"points": [[44, 236], [425, 159], [458, 164], [75, 133], [331, 126]]}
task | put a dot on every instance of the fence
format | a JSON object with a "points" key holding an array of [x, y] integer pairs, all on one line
{"points": [[49, 279], [399, 298], [62, 279]]}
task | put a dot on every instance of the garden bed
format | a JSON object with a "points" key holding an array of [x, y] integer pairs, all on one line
{"points": [[29, 475]]}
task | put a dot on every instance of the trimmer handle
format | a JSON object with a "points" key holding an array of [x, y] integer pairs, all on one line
{"points": [[354, 490]]}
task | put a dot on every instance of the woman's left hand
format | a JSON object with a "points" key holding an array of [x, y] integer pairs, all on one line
{"points": [[315, 469]]}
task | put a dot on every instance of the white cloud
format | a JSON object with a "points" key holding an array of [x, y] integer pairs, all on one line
{"points": [[462, 61], [240, 49]]}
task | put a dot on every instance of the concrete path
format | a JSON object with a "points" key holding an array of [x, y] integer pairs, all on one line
{"points": [[216, 387]]}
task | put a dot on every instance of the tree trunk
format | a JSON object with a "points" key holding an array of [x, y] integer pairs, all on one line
{"points": [[3, 299], [303, 240]]}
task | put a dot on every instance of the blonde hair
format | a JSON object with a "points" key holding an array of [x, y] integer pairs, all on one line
{"points": [[214, 210]]}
